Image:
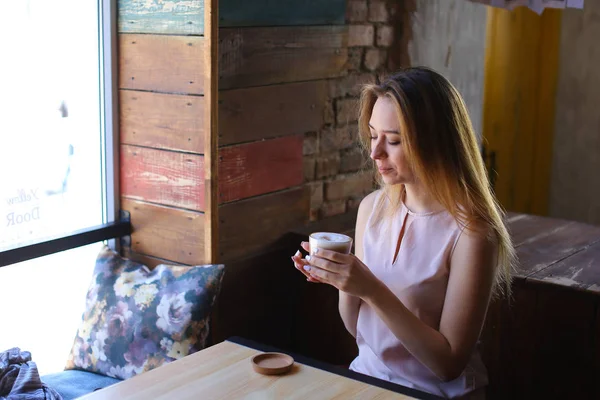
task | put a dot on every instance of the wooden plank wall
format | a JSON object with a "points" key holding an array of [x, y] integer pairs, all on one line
{"points": [[274, 73], [273, 67], [163, 131], [274, 62]]}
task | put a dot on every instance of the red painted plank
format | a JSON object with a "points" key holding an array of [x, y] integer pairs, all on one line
{"points": [[163, 177], [260, 167]]}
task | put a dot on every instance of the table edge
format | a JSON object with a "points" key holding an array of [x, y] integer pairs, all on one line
{"points": [[345, 372]]}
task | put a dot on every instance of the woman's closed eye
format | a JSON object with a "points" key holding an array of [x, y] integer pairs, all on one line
{"points": [[391, 143]]}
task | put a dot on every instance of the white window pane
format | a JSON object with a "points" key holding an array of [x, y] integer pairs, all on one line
{"points": [[50, 153], [42, 304]]}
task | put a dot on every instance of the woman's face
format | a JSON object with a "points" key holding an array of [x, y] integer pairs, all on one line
{"points": [[386, 146]]}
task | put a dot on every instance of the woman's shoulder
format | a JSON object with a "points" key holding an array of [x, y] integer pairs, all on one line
{"points": [[476, 230], [368, 202]]}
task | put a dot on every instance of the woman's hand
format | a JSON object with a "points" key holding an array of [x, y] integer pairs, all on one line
{"points": [[343, 271], [299, 262]]}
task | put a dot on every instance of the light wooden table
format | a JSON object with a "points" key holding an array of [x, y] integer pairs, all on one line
{"points": [[224, 371]]}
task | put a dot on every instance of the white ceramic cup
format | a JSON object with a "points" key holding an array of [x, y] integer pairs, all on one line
{"points": [[330, 241]]}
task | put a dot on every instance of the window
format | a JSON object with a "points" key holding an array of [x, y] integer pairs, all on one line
{"points": [[57, 162]]}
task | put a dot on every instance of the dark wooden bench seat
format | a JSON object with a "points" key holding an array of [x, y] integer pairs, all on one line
{"points": [[545, 342], [556, 251]]}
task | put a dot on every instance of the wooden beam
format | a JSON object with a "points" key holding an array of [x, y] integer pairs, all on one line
{"points": [[163, 177], [261, 167], [164, 121], [264, 56], [166, 232], [211, 130], [171, 64], [263, 112]]}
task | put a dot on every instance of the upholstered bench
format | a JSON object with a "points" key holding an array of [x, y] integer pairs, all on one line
{"points": [[72, 384], [136, 319]]}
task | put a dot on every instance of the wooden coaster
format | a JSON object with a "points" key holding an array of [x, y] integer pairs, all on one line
{"points": [[272, 363]]}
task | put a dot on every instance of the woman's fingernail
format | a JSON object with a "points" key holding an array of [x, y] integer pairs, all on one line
{"points": [[307, 258], [307, 267], [297, 253]]}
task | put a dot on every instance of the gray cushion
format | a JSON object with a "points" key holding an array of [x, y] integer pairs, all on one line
{"points": [[72, 384]]}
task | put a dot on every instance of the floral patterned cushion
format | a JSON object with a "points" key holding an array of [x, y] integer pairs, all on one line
{"points": [[137, 319]]}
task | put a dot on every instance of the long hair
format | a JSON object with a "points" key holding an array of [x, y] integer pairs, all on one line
{"points": [[440, 145]]}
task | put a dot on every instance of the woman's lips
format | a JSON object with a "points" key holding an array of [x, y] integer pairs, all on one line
{"points": [[384, 171]]}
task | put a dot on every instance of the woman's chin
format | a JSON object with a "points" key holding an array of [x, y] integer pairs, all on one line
{"points": [[391, 180]]}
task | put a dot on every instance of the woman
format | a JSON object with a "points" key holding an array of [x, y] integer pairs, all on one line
{"points": [[431, 245]]}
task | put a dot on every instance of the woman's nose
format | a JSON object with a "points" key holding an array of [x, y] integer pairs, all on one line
{"points": [[377, 151]]}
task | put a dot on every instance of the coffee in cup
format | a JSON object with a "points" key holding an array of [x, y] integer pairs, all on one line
{"points": [[330, 241]]}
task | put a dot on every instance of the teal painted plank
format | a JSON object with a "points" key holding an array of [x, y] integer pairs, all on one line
{"points": [[235, 13], [179, 17]]}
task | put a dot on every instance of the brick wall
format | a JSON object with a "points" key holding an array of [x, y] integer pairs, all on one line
{"points": [[335, 169]]}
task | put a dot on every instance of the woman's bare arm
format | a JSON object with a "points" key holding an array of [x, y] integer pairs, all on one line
{"points": [[349, 305]]}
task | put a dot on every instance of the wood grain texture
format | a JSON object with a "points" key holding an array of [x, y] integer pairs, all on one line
{"points": [[223, 371], [542, 242], [263, 56], [549, 247], [255, 225], [575, 187], [525, 228], [211, 130], [580, 271], [164, 177], [166, 232], [261, 167], [178, 17], [149, 261], [172, 64], [281, 12], [163, 121], [264, 112]]}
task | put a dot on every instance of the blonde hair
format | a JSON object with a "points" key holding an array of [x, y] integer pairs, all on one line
{"points": [[441, 147]]}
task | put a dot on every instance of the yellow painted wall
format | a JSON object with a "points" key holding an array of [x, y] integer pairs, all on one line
{"points": [[521, 67]]}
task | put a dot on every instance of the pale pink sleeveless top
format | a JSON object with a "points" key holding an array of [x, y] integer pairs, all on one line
{"points": [[419, 278]]}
